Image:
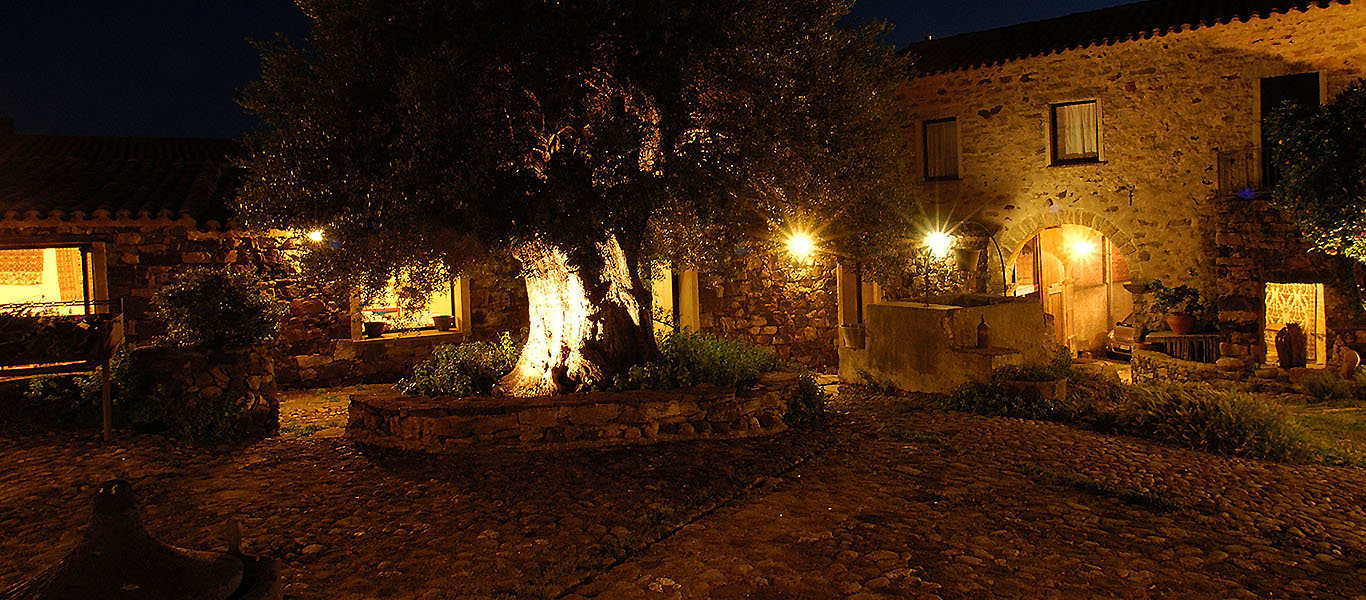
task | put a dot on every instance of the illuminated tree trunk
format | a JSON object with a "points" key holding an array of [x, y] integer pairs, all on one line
{"points": [[588, 322]]}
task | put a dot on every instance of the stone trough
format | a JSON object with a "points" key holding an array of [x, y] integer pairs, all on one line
{"points": [[446, 424]]}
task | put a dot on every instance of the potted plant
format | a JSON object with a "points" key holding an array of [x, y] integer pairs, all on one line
{"points": [[1181, 304]]}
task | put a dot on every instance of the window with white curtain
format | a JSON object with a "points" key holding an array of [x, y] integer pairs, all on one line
{"points": [[1076, 132], [941, 149]]}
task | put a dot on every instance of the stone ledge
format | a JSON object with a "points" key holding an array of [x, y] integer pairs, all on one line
{"points": [[445, 424]]}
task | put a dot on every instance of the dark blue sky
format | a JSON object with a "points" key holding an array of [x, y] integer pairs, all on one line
{"points": [[173, 67]]}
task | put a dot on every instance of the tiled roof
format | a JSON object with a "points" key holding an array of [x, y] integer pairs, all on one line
{"points": [[72, 178], [1106, 26]]}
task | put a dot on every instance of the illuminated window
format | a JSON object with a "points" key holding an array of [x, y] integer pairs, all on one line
{"points": [[401, 310], [675, 300], [941, 149], [60, 280], [1076, 132]]}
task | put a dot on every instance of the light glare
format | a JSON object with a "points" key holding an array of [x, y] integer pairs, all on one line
{"points": [[939, 243], [801, 245], [316, 235], [1083, 248]]}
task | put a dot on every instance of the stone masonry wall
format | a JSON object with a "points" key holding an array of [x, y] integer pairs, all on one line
{"points": [[1257, 245], [438, 425], [1168, 104], [776, 303]]}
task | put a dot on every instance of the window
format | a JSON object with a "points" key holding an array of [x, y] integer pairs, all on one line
{"points": [[1076, 132], [400, 313], [60, 280], [941, 149]]}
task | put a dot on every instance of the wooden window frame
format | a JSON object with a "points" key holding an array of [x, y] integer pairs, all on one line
{"points": [[925, 149], [1053, 135]]}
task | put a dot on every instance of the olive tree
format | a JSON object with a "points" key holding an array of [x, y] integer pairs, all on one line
{"points": [[583, 139]]}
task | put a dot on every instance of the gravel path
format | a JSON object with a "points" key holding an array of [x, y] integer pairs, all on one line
{"points": [[896, 500]]}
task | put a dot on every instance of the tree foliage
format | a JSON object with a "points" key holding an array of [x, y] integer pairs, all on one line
{"points": [[427, 137], [1320, 152]]}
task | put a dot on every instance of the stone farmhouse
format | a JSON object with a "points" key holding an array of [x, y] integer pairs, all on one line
{"points": [[1125, 145]]}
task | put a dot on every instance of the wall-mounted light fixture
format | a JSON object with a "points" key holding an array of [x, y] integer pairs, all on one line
{"points": [[800, 245], [316, 235], [939, 243]]}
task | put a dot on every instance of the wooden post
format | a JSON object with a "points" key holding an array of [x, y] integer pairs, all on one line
{"points": [[107, 402]]}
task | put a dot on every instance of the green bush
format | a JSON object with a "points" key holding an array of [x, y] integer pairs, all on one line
{"points": [[689, 358], [1326, 387], [996, 400], [1217, 421], [808, 405], [216, 308], [468, 369], [140, 403]]}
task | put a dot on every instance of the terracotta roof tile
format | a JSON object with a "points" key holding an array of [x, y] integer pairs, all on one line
{"points": [[144, 178], [1106, 26]]}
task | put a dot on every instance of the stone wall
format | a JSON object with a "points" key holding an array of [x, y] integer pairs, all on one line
{"points": [[423, 424], [1148, 365], [246, 377], [1257, 245], [1168, 104], [778, 303]]}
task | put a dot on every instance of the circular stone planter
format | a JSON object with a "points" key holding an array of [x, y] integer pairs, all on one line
{"points": [[446, 424]]}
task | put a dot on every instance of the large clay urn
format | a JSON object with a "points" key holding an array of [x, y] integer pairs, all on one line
{"points": [[1291, 346], [119, 560], [1181, 323]]}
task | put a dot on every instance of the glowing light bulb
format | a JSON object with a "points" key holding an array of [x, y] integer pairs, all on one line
{"points": [[316, 235], [1083, 248], [801, 245], [939, 243]]}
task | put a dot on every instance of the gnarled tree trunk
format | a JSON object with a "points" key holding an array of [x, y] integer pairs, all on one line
{"points": [[588, 323]]}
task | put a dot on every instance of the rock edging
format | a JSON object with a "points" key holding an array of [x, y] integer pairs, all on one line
{"points": [[445, 424]]}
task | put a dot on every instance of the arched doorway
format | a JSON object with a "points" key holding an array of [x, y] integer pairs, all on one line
{"points": [[1078, 274]]}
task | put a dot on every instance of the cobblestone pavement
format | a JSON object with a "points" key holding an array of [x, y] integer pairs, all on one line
{"points": [[895, 501], [926, 504]]}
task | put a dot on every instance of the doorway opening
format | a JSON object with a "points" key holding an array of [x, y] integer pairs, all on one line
{"points": [[1078, 275], [1300, 303]]}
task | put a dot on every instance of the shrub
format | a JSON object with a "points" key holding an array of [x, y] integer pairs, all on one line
{"points": [[468, 369], [140, 403], [808, 405], [688, 358], [995, 400], [216, 308], [1221, 422], [1327, 387]]}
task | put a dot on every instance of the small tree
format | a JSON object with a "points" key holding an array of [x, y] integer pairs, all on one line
{"points": [[216, 308], [1320, 155]]}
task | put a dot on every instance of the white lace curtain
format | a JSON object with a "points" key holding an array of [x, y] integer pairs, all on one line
{"points": [[1076, 134]]}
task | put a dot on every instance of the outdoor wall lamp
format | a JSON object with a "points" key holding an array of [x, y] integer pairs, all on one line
{"points": [[316, 235], [939, 243], [801, 246]]}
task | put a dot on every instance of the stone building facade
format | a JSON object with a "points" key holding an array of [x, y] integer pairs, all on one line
{"points": [[143, 210], [1178, 87]]}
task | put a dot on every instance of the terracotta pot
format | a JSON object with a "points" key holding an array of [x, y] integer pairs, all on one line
{"points": [[1181, 323], [443, 322], [1350, 360], [374, 329]]}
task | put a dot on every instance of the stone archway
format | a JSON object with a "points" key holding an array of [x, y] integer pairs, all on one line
{"points": [[1078, 266], [1014, 235]]}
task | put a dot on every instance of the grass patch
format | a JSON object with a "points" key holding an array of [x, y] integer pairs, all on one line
{"points": [[1218, 421], [1082, 483]]}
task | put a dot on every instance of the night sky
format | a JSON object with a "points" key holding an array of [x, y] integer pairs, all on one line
{"points": [[174, 67]]}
